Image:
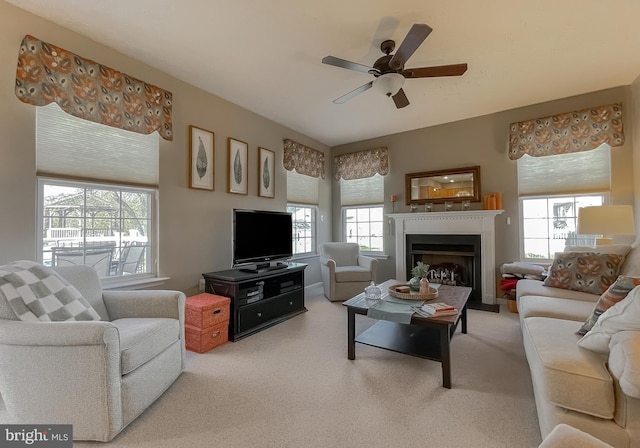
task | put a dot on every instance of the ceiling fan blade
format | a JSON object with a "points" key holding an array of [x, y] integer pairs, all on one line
{"points": [[432, 72], [355, 92], [400, 99], [342, 63], [416, 35]]}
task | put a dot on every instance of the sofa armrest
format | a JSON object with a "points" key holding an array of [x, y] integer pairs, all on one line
{"points": [[147, 303], [624, 361]]}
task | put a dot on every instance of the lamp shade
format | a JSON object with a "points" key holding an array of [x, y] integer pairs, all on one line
{"points": [[389, 83], [606, 220]]}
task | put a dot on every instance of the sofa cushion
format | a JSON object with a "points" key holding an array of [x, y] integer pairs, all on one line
{"points": [[571, 377], [539, 306], [528, 287], [615, 293], [631, 265], [624, 361], [36, 293], [352, 274], [584, 271], [142, 339], [623, 316]]}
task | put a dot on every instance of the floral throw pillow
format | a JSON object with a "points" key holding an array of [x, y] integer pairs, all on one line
{"points": [[589, 272], [615, 293]]}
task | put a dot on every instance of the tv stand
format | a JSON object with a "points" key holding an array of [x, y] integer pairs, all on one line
{"points": [[264, 267], [259, 299]]}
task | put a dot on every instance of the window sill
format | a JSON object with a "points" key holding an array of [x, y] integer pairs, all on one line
{"points": [[301, 258], [378, 255], [134, 283]]}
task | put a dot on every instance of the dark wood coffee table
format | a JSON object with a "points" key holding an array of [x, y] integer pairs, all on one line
{"points": [[428, 337]]}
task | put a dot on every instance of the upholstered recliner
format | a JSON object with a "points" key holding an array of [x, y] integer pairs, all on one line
{"points": [[96, 375], [345, 272]]}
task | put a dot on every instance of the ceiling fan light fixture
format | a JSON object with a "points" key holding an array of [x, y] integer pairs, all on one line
{"points": [[389, 83]]}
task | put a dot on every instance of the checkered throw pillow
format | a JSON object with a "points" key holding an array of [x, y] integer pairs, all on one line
{"points": [[37, 293]]}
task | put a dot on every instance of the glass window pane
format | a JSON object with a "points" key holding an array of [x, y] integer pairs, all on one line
{"points": [[86, 224], [549, 224]]}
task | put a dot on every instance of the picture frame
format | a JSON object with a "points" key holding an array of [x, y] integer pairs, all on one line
{"points": [[266, 173], [201, 158], [237, 155]]}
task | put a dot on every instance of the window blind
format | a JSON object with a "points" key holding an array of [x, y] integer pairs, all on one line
{"points": [[369, 190], [67, 146], [574, 173], [302, 189]]}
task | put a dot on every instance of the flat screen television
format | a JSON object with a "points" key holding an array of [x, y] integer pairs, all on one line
{"points": [[261, 237]]}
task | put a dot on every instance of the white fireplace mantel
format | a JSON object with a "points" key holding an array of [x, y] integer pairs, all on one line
{"points": [[472, 222]]}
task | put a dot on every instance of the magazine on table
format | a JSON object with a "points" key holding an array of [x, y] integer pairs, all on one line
{"points": [[438, 309]]}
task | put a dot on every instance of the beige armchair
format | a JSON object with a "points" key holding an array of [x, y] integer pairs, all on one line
{"points": [[345, 272], [96, 375]]}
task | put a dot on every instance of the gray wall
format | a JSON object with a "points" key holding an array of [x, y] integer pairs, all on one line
{"points": [[483, 141], [195, 225]]}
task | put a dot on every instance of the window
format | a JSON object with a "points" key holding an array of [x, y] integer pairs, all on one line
{"points": [[97, 190], [304, 228], [362, 212], [302, 194], [364, 225], [109, 228], [549, 224], [551, 190]]}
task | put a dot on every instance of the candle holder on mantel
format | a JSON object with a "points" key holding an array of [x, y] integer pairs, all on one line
{"points": [[394, 198]]}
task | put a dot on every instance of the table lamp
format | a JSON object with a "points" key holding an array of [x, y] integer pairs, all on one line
{"points": [[606, 220]]}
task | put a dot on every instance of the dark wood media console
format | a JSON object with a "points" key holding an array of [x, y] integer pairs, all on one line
{"points": [[259, 300]]}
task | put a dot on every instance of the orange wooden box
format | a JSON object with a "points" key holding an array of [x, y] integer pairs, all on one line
{"points": [[201, 341], [206, 310]]}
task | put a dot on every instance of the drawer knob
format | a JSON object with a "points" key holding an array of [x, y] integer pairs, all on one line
{"points": [[291, 302], [217, 311], [259, 314], [215, 334]]}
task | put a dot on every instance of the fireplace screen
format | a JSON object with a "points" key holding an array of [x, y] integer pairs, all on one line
{"points": [[452, 259]]}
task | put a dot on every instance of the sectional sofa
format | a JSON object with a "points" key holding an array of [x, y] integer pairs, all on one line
{"points": [[596, 390]]}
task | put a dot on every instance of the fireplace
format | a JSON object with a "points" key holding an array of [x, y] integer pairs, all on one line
{"points": [[453, 260], [475, 232]]}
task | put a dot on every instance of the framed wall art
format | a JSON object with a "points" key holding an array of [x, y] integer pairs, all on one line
{"points": [[266, 173], [237, 166], [201, 161]]}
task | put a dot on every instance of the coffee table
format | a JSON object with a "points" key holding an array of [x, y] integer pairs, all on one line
{"points": [[425, 337]]}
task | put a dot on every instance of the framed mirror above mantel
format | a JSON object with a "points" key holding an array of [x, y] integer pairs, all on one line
{"points": [[438, 187]]}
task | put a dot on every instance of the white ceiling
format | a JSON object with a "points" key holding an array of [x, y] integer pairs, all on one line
{"points": [[265, 55]]}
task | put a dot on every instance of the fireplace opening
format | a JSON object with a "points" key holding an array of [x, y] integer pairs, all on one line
{"points": [[452, 259]]}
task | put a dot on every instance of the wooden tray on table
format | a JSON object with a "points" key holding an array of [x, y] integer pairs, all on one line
{"points": [[402, 291]]}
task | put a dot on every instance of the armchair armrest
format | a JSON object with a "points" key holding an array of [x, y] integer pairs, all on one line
{"points": [[367, 262], [48, 334], [147, 303], [327, 261], [72, 367]]}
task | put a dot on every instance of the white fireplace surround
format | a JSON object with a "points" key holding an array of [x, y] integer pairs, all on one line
{"points": [[473, 222]]}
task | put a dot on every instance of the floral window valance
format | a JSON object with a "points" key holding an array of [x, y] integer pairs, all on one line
{"points": [[569, 132], [88, 90], [304, 160], [361, 164]]}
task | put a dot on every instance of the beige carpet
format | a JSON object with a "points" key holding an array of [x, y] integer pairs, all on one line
{"points": [[293, 386]]}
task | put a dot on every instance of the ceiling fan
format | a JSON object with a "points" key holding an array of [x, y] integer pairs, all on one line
{"points": [[389, 71]]}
